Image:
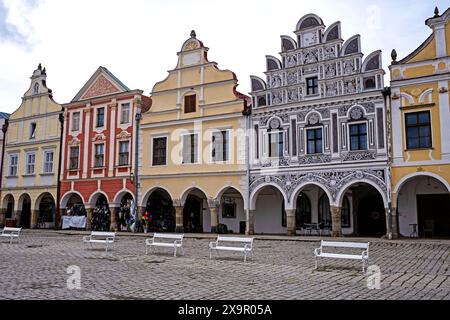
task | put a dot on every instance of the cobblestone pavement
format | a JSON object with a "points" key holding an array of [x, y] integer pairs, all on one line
{"points": [[36, 268]]}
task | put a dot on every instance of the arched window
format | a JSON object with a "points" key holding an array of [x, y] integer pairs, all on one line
{"points": [[324, 212], [303, 210], [346, 213]]}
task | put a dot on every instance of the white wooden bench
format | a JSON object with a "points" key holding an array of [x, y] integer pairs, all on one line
{"points": [[95, 237], [11, 233], [165, 240], [230, 244], [363, 256]]}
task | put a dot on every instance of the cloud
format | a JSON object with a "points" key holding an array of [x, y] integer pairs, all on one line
{"points": [[9, 27]]}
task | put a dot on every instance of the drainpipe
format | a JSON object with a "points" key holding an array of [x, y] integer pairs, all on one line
{"points": [[4, 130], [387, 103], [138, 119], [247, 114], [58, 185]]}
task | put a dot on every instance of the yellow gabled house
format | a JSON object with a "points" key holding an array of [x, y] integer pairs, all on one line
{"points": [[192, 159], [31, 161], [420, 115]]}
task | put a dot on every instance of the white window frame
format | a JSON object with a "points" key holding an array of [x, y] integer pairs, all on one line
{"points": [[72, 121], [228, 151], [167, 149], [198, 148], [104, 119], [121, 119], [349, 142], [27, 164], [70, 156], [119, 142], [94, 154], [12, 155], [45, 163], [306, 140], [266, 146]]}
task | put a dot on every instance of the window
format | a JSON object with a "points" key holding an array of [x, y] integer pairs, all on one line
{"points": [[100, 117], [220, 142], [345, 213], [418, 130], [76, 121], [160, 151], [74, 155], [31, 162], [124, 153], [99, 155], [125, 115], [13, 162], [48, 161], [190, 149], [33, 130], [324, 212], [190, 103], [358, 137], [276, 144], [314, 143], [312, 86]]}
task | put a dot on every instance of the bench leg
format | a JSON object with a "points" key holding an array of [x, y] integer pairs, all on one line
{"points": [[317, 265], [210, 254], [245, 256], [175, 253], [146, 250]]}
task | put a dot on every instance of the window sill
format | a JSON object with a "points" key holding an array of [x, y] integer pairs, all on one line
{"points": [[420, 149], [98, 168], [29, 175], [12, 177], [160, 165], [125, 166], [47, 174], [73, 170]]}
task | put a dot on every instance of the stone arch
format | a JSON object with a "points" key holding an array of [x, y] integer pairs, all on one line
{"points": [[302, 186], [94, 197], [356, 112], [6, 199], [313, 118], [333, 32], [411, 176], [407, 97], [258, 84], [344, 189], [119, 195], [225, 189], [66, 197], [254, 194], [426, 94], [352, 45], [153, 189], [22, 197], [273, 63], [309, 21], [288, 44], [39, 199], [188, 191], [372, 62]]}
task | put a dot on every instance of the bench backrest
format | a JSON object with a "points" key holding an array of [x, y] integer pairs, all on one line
{"points": [[9, 230], [168, 236], [235, 240], [351, 245], [100, 234]]}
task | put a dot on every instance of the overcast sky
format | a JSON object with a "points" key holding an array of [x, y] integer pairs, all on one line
{"points": [[137, 40]]}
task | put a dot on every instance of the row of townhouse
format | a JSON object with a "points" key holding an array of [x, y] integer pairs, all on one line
{"points": [[320, 141]]}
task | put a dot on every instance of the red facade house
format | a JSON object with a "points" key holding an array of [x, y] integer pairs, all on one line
{"points": [[98, 148]]}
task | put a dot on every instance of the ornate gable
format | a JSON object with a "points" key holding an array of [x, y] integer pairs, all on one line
{"points": [[101, 87], [102, 83]]}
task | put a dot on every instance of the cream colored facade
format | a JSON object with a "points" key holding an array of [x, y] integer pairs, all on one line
{"points": [[29, 186], [421, 167], [187, 182]]}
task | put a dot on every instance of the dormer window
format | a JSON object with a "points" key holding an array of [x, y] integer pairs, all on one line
{"points": [[190, 103]]}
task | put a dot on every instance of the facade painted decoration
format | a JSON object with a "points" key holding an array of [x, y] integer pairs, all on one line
{"points": [[192, 160], [420, 135], [31, 162], [98, 151], [319, 143]]}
